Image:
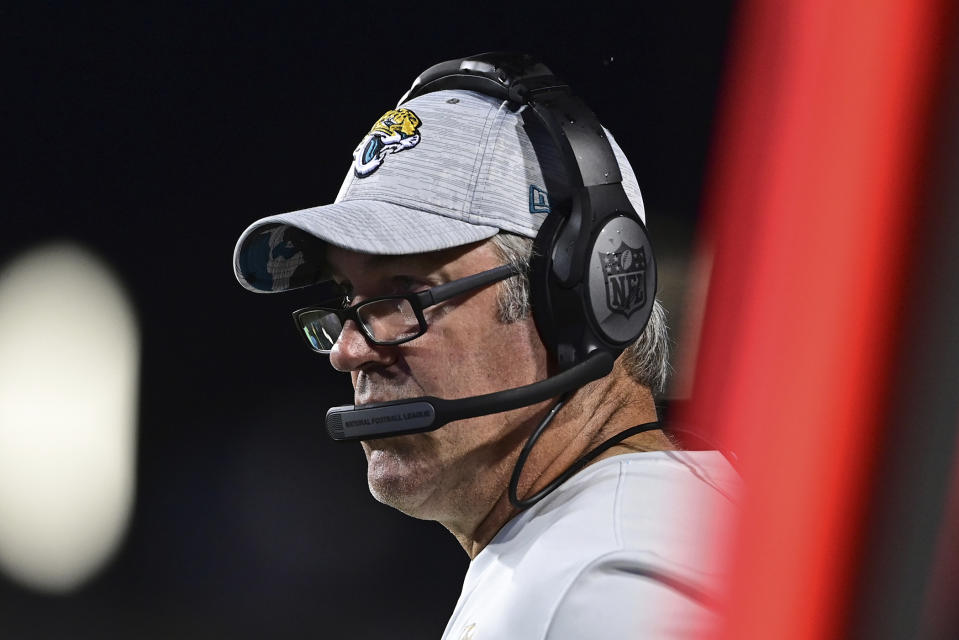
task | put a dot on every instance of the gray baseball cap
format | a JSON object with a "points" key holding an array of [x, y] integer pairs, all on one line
{"points": [[445, 169]]}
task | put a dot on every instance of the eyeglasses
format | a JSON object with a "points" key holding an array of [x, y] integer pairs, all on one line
{"points": [[388, 320]]}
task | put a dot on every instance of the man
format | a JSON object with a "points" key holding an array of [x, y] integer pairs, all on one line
{"points": [[443, 192]]}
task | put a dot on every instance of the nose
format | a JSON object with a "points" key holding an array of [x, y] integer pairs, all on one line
{"points": [[353, 352]]}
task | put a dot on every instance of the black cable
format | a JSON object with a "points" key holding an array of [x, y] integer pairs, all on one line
{"points": [[583, 460]]}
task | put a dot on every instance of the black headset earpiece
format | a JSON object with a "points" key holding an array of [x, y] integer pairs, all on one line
{"points": [[593, 273]]}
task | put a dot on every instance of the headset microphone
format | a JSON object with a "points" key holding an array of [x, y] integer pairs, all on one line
{"points": [[415, 415]]}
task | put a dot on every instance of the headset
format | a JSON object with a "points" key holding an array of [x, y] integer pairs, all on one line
{"points": [[592, 274]]}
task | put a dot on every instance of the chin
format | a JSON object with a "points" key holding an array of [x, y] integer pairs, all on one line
{"points": [[396, 482]]}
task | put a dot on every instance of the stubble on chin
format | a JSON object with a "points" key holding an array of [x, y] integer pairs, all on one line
{"points": [[398, 475]]}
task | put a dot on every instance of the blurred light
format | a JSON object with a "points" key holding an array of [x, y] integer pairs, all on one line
{"points": [[69, 361]]}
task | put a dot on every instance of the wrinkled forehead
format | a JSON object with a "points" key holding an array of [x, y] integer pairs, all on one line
{"points": [[341, 263], [350, 265]]}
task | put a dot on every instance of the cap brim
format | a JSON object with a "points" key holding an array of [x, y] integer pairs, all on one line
{"points": [[269, 257]]}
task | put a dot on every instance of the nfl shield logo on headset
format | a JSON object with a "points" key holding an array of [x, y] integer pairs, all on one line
{"points": [[625, 273]]}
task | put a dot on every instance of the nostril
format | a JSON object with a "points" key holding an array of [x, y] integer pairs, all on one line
{"points": [[352, 350]]}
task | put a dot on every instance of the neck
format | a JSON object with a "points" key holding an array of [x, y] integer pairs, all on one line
{"points": [[592, 415]]}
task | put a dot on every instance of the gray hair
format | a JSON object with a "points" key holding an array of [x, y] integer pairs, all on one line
{"points": [[646, 360]]}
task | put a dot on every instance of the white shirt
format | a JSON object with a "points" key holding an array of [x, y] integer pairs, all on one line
{"points": [[626, 548]]}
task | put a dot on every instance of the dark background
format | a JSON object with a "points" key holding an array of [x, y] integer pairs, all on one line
{"points": [[153, 136]]}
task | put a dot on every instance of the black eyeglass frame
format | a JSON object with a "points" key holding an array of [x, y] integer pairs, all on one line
{"points": [[418, 301]]}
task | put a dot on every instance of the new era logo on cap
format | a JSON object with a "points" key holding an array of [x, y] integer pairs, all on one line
{"points": [[538, 200]]}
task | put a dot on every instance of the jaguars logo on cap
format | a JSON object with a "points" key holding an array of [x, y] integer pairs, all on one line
{"points": [[397, 130]]}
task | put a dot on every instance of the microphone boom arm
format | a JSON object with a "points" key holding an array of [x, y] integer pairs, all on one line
{"points": [[426, 413]]}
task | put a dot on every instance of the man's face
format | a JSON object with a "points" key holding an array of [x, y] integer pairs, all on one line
{"points": [[466, 351]]}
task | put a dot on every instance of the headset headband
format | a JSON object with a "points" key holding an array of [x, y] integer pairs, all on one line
{"points": [[518, 78], [596, 181]]}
